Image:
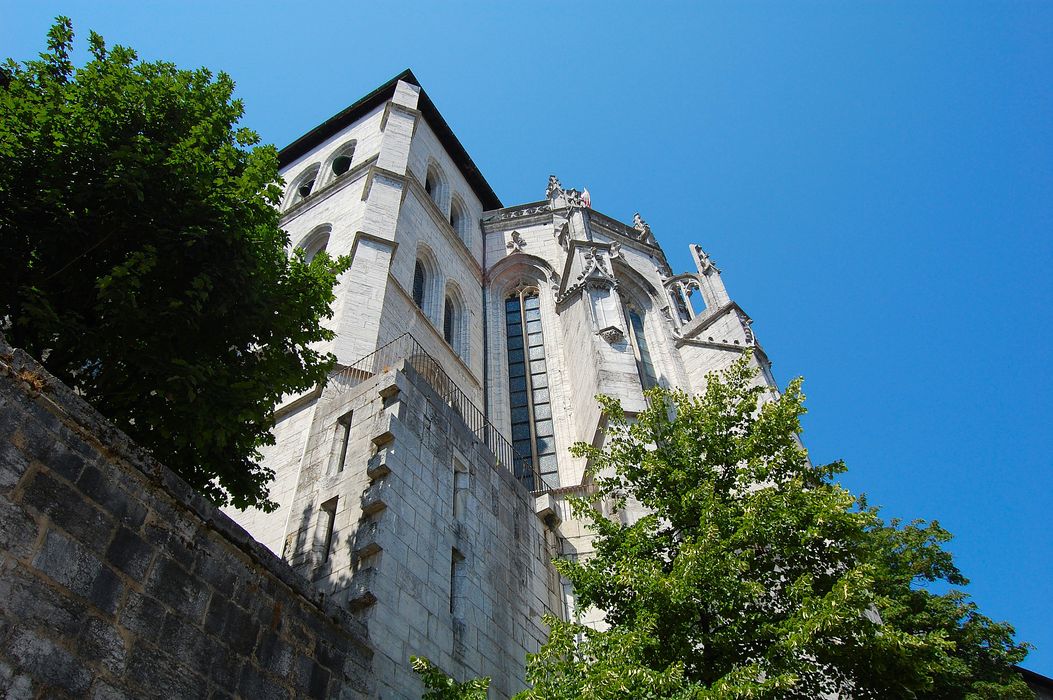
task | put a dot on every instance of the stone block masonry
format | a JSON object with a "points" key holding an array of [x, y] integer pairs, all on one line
{"points": [[118, 581], [426, 538]]}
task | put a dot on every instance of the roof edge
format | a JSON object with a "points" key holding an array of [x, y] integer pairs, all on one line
{"points": [[431, 114]]}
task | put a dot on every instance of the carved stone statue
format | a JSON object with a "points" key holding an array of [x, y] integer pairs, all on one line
{"points": [[645, 231]]}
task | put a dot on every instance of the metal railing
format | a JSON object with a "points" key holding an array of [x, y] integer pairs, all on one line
{"points": [[406, 348]]}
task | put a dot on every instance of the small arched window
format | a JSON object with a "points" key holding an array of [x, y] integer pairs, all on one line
{"points": [[341, 162], [419, 280], [459, 219], [302, 187], [315, 247], [315, 242]]}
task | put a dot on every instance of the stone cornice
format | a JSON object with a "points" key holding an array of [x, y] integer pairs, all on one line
{"points": [[376, 170], [521, 216], [712, 344]]}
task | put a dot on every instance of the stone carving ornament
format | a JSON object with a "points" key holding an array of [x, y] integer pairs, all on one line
{"points": [[554, 187], [517, 243]]}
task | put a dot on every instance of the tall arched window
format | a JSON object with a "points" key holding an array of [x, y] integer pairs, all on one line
{"points": [[459, 219], [455, 320], [449, 322], [435, 186], [419, 280], [529, 402], [644, 364]]}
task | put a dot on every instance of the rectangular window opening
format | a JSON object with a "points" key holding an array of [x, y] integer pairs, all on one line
{"points": [[460, 488], [343, 435], [456, 582], [328, 521]]}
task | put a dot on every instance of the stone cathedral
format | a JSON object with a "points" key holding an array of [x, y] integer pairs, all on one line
{"points": [[424, 486]]}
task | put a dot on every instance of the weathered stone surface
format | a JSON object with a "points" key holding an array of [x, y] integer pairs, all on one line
{"points": [[116, 582]]}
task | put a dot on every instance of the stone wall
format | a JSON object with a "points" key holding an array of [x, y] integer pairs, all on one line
{"points": [[117, 581], [402, 515]]}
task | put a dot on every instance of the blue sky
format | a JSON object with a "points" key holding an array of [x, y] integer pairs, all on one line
{"points": [[874, 180]]}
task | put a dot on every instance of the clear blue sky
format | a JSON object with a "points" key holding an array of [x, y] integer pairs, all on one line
{"points": [[875, 180]]}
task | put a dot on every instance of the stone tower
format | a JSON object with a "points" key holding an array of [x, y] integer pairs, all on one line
{"points": [[424, 485]]}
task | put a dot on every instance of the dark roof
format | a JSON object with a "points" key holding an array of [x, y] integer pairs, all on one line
{"points": [[1036, 680], [378, 97]]}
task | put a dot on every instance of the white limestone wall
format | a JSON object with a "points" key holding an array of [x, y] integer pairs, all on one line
{"points": [[367, 136], [421, 233], [539, 239], [396, 531], [426, 149], [401, 316], [284, 457], [700, 360]]}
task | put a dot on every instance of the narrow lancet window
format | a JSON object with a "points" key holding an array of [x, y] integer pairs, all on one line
{"points": [[418, 285], [644, 364], [448, 321], [529, 402]]}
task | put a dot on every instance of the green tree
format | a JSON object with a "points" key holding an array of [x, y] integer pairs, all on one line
{"points": [[755, 575], [439, 686], [141, 259]]}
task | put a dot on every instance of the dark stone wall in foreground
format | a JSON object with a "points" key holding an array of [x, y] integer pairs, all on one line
{"points": [[117, 581]]}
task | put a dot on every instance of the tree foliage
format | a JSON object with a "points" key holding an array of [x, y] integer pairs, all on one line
{"points": [[141, 259], [439, 686], [753, 574]]}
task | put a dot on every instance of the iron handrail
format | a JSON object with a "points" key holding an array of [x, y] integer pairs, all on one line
{"points": [[406, 348]]}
